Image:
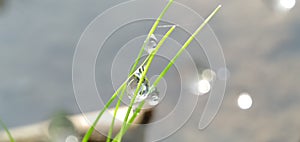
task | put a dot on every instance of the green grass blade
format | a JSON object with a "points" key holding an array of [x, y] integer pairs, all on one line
{"points": [[150, 33], [92, 128], [142, 78], [186, 44], [120, 134], [157, 81], [137, 61], [137, 111], [115, 114], [7, 131]]}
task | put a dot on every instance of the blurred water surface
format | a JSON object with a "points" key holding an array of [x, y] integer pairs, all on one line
{"points": [[260, 44]]}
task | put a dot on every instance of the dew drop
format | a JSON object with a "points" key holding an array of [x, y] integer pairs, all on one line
{"points": [[153, 98], [132, 86], [151, 44]]}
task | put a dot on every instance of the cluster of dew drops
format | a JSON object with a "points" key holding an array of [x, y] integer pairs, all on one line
{"points": [[146, 92]]}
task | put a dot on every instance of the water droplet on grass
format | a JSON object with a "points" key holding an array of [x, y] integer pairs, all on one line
{"points": [[153, 98], [152, 43], [132, 86]]}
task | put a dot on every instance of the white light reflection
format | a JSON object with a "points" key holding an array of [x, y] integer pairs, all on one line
{"points": [[288, 4], [203, 87], [71, 138], [244, 101]]}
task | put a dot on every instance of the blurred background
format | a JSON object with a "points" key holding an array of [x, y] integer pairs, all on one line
{"points": [[259, 39]]}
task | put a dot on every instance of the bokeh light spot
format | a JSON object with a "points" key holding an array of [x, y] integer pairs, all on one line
{"points": [[208, 75], [288, 4], [244, 101], [71, 138], [203, 87]]}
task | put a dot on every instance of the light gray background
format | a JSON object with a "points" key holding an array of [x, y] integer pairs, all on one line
{"points": [[261, 47]]}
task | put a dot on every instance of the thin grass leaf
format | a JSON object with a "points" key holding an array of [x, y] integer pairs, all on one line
{"points": [[163, 73], [187, 43], [7, 131], [136, 63], [152, 54], [137, 111], [92, 128], [150, 33], [115, 114]]}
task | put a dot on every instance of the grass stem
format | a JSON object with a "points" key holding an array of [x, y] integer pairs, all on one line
{"points": [[148, 60], [113, 97], [136, 63], [7, 131], [152, 54], [187, 43]]}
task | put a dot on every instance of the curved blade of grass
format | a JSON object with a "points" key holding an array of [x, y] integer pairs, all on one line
{"points": [[186, 44], [91, 129], [7, 131], [113, 97], [115, 94], [137, 111], [150, 33], [152, 54], [115, 114], [136, 63]]}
